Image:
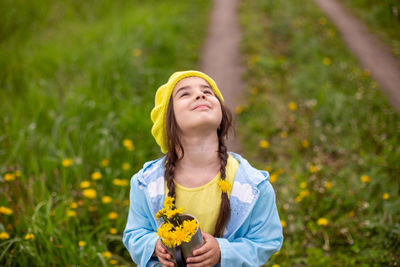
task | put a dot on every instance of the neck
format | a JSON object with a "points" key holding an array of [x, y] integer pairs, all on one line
{"points": [[201, 151]]}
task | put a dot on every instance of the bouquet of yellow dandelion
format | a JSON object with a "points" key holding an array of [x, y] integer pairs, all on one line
{"points": [[180, 233]]}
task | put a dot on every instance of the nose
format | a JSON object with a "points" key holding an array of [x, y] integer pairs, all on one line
{"points": [[202, 97]]}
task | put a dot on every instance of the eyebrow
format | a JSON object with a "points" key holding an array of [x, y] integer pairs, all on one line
{"points": [[187, 87]]}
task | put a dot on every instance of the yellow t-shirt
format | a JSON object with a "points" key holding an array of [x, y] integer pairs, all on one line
{"points": [[204, 201]]}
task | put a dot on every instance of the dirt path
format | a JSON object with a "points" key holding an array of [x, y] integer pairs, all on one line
{"points": [[372, 53], [221, 57]]}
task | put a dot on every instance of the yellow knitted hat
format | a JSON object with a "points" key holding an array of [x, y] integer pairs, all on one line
{"points": [[163, 95]]}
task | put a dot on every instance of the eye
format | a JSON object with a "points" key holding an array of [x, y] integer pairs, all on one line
{"points": [[208, 92], [184, 94]]}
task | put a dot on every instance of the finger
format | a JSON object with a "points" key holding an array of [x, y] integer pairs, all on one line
{"points": [[203, 249], [160, 246], [203, 258]]}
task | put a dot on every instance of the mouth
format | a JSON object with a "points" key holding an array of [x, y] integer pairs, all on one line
{"points": [[202, 106]]}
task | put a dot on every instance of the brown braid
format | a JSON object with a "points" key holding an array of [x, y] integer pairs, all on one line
{"points": [[174, 143]]}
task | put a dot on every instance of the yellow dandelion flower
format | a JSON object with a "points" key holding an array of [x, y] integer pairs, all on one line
{"points": [[239, 109], [9, 177], [328, 185], [365, 179], [73, 205], [5, 210], [303, 185], [81, 243], [190, 226], [161, 213], [273, 178], [126, 166], [85, 184], [169, 202], [4, 235], [125, 202], [224, 186], [136, 52], [299, 199], [327, 61], [67, 162], [105, 162], [385, 196], [283, 223], [71, 213], [322, 221], [351, 214], [89, 193], [106, 254], [268, 168], [29, 236], [113, 231], [254, 91], [128, 144], [120, 182], [276, 265], [113, 262], [305, 143], [17, 173], [113, 215], [171, 213], [292, 106], [92, 208], [96, 175], [304, 193], [314, 168], [263, 144], [284, 135], [106, 199], [331, 32]]}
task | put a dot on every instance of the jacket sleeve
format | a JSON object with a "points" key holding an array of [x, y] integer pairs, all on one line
{"points": [[263, 238], [139, 235]]}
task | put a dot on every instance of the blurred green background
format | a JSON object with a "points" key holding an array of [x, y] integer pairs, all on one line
{"points": [[77, 85]]}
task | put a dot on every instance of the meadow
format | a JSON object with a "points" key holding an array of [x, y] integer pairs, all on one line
{"points": [[77, 85], [326, 133]]}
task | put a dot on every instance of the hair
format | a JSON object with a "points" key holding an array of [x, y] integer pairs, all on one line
{"points": [[172, 157]]}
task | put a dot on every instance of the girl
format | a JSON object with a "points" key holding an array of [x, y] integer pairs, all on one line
{"points": [[234, 202]]}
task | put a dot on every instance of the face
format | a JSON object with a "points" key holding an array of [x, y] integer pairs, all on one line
{"points": [[196, 106]]}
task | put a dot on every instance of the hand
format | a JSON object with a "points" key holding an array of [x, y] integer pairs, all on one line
{"points": [[208, 255], [162, 254]]}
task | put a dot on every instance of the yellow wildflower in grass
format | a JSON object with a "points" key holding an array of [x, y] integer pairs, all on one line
{"points": [[89, 193], [268, 168], [365, 179], [96, 175], [327, 61], [73, 205], [292, 106], [263, 144], [5, 210], [303, 185], [85, 184], [273, 177], [224, 186], [254, 91], [314, 168], [120, 182], [283, 223], [276, 265], [17, 173], [299, 199], [71, 213], [92, 208], [113, 215], [328, 185], [331, 32], [284, 135], [113, 262], [305, 143], [106, 199], [4, 235], [136, 52], [351, 214], [125, 202], [126, 166], [81, 243], [239, 109], [113, 231], [29, 236], [106, 254], [105, 162], [385, 196], [9, 177], [322, 221], [304, 193], [128, 144], [67, 162]]}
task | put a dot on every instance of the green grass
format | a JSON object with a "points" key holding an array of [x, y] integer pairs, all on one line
{"points": [[77, 79], [333, 156], [382, 17]]}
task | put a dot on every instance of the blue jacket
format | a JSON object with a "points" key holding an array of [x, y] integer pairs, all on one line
{"points": [[252, 234]]}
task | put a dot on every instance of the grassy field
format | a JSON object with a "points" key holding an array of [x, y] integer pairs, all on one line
{"points": [[77, 84], [382, 17], [322, 127]]}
